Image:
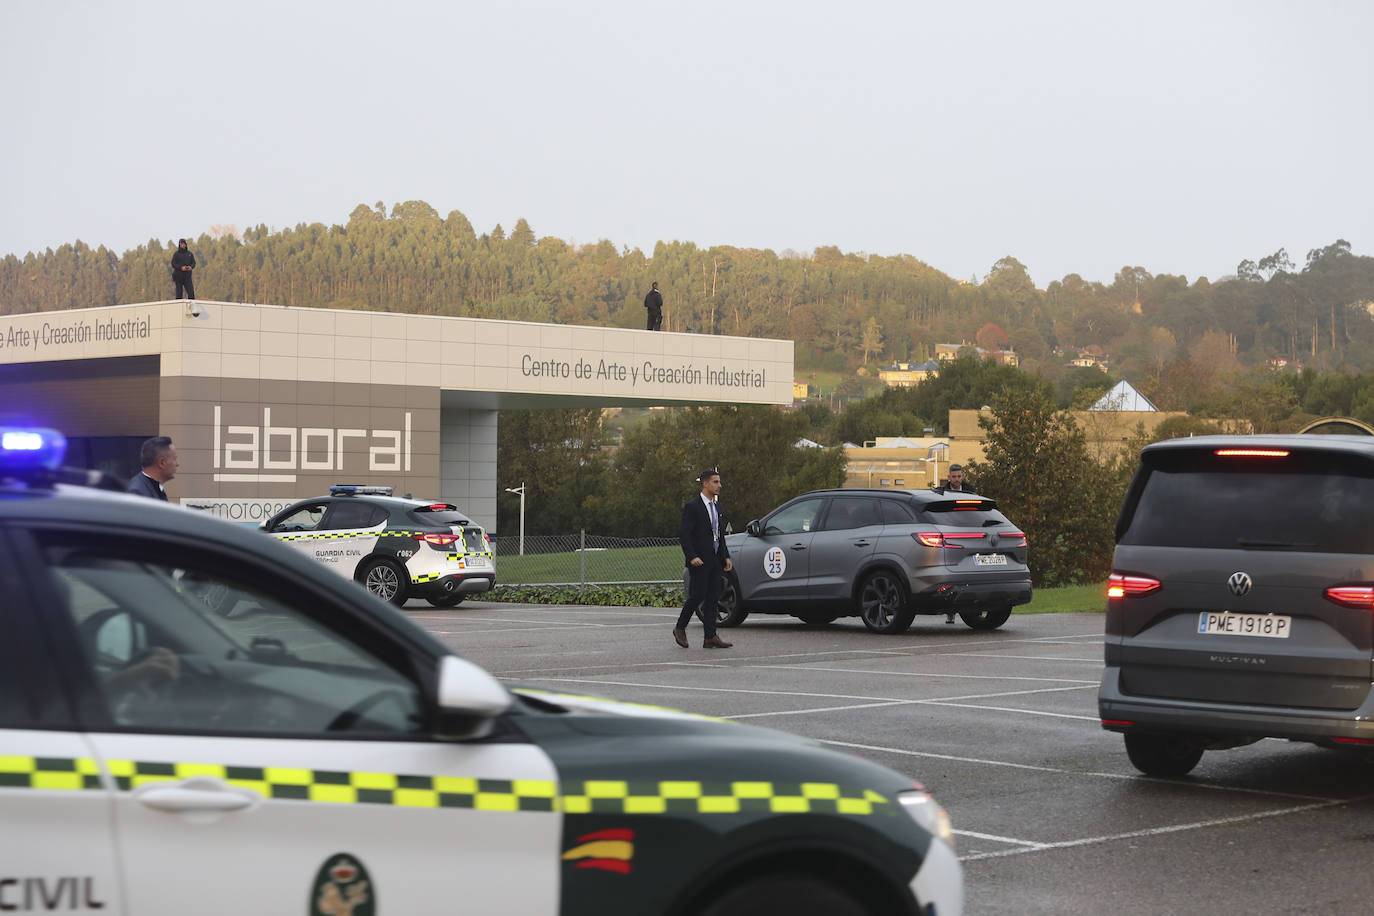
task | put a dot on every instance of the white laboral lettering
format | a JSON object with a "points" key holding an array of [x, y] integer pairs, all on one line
{"points": [[255, 449]]}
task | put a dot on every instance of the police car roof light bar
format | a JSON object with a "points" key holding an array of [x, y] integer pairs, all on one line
{"points": [[353, 489], [31, 449]]}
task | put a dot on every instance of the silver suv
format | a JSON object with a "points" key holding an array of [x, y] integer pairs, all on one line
{"points": [[1241, 601], [883, 555]]}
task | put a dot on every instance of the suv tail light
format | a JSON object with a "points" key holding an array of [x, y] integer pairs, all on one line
{"points": [[936, 539], [437, 540], [1013, 535], [1119, 586], [1356, 596]]}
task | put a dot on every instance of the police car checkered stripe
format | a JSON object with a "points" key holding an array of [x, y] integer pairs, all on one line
{"points": [[690, 797], [334, 535], [603, 796]]}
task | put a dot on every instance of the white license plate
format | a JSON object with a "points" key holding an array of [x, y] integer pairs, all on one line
{"points": [[989, 559], [1224, 623], [477, 562]]}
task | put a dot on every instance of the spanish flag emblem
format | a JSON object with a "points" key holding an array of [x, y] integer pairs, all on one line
{"points": [[606, 850]]}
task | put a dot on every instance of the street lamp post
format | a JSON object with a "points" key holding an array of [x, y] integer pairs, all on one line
{"points": [[521, 490]]}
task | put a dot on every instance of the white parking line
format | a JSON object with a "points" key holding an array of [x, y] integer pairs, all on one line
{"points": [[1192, 784], [868, 672], [949, 701], [1027, 658], [1029, 846]]}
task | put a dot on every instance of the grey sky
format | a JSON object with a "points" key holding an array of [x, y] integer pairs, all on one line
{"points": [[1077, 137]]}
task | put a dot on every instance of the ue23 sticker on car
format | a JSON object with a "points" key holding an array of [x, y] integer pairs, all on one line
{"points": [[342, 887], [774, 562]]}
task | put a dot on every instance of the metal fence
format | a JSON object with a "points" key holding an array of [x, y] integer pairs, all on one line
{"points": [[587, 559]]}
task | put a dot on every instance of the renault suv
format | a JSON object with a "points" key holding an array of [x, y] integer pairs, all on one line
{"points": [[1241, 600], [881, 555]]}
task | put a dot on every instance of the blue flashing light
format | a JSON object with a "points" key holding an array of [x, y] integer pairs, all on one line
{"points": [[31, 449], [350, 489]]}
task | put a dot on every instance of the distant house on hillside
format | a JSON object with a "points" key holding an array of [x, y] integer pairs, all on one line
{"points": [[949, 351], [908, 375]]}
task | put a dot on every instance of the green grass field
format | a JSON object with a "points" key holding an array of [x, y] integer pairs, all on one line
{"points": [[1090, 599], [630, 564]]}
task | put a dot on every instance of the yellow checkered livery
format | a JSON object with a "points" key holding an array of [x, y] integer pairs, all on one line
{"points": [[592, 796]]}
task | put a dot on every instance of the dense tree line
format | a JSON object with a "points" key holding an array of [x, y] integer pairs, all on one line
{"points": [[639, 487], [842, 309]]}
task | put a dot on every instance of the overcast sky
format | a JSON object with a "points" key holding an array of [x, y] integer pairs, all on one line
{"points": [[1077, 137]]}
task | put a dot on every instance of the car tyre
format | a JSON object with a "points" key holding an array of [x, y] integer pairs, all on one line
{"points": [[986, 618], [728, 610], [450, 600], [387, 580], [1165, 756], [795, 895], [883, 603]]}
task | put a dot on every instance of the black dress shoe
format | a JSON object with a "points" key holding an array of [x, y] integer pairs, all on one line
{"points": [[715, 642], [680, 636]]}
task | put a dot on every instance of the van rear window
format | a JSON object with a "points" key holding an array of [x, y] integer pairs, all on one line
{"points": [[1309, 501]]}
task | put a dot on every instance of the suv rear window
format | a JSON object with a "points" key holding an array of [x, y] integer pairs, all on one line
{"points": [[964, 513], [1307, 501]]}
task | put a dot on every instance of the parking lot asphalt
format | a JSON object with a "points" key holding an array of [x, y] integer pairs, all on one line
{"points": [[1049, 815]]}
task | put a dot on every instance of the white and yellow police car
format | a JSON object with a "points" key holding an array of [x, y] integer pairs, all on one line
{"points": [[397, 548], [318, 753]]}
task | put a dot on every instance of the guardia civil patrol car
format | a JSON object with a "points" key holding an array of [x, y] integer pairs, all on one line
{"points": [[397, 548], [317, 753]]}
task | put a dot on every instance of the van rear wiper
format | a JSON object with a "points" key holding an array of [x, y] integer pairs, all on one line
{"points": [[1257, 544]]}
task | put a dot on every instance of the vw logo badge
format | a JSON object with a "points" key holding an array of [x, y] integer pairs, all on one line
{"points": [[1239, 583]]}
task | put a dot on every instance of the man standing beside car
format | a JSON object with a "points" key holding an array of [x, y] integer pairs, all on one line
{"points": [[708, 559]]}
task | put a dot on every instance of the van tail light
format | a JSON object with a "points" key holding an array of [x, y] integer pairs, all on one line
{"points": [[438, 540], [1356, 596], [1119, 586]]}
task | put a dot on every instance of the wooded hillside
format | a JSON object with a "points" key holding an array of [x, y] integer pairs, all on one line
{"points": [[842, 309]]}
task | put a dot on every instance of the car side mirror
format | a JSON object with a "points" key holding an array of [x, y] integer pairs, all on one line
{"points": [[468, 698], [754, 529]]}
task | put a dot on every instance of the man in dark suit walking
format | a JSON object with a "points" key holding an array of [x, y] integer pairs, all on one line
{"points": [[159, 459], [708, 559]]}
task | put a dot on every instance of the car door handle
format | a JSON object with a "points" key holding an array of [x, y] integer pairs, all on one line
{"points": [[798, 546], [860, 543], [199, 793]]}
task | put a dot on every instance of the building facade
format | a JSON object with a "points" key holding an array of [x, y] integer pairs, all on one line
{"points": [[268, 404]]}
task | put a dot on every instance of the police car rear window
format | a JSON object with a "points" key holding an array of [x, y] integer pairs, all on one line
{"points": [[440, 514], [1313, 501]]}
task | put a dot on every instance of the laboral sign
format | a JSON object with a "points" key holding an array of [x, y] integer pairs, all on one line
{"points": [[269, 453]]}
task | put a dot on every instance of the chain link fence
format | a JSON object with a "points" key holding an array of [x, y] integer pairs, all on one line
{"points": [[587, 560]]}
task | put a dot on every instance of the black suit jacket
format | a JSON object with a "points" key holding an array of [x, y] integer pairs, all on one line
{"points": [[695, 533], [144, 485]]}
